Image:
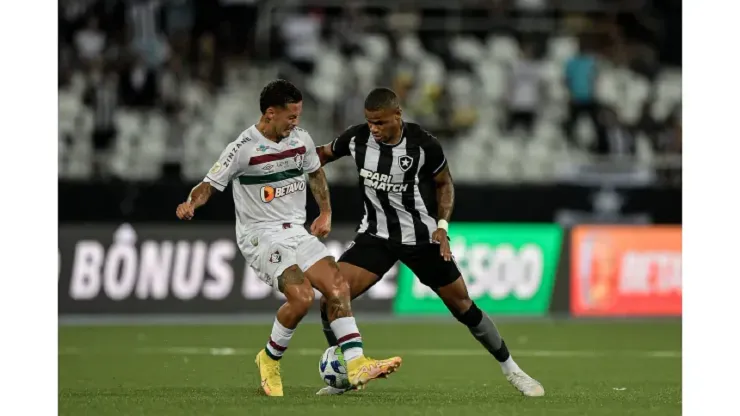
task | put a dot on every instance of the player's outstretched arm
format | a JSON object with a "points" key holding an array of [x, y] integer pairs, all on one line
{"points": [[445, 190], [197, 198], [320, 190], [325, 154]]}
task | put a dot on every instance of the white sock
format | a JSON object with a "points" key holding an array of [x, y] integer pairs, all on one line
{"points": [[509, 366], [348, 337], [279, 339]]}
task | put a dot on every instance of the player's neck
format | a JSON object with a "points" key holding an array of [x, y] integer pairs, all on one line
{"points": [[396, 137], [263, 128]]}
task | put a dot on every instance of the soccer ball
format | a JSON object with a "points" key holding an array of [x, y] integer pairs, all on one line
{"points": [[333, 369]]}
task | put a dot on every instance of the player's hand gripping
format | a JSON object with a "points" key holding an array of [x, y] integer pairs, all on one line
{"points": [[186, 211], [321, 226], [440, 236]]}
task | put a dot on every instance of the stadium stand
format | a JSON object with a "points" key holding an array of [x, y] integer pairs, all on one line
{"points": [[148, 90]]}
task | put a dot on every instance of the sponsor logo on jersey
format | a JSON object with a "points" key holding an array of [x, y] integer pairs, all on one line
{"points": [[268, 193], [261, 148], [381, 181], [216, 168], [232, 154], [405, 162]]}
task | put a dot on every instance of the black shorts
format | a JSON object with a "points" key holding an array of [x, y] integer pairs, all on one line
{"points": [[378, 255]]}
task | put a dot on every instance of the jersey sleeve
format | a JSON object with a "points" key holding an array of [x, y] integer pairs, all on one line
{"points": [[226, 167], [434, 158], [340, 145], [312, 163]]}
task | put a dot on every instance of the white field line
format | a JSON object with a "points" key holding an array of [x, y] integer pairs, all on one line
{"points": [[315, 352]]}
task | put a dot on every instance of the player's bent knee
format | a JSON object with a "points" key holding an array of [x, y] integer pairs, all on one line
{"points": [[471, 317], [302, 300]]}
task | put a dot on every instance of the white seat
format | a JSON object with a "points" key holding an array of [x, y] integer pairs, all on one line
{"points": [[503, 49], [376, 47], [410, 48], [562, 48], [493, 79], [467, 49]]}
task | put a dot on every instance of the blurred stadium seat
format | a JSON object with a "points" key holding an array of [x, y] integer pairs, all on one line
{"points": [[458, 89]]}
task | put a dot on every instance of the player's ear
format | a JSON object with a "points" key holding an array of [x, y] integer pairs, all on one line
{"points": [[269, 113], [399, 113]]}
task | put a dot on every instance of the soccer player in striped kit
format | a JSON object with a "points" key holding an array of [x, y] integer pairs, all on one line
{"points": [[265, 166], [402, 172]]}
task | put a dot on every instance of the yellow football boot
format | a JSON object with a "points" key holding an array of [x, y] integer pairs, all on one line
{"points": [[271, 382], [363, 369]]}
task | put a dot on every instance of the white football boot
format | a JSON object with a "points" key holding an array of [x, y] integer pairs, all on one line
{"points": [[526, 384], [329, 391]]}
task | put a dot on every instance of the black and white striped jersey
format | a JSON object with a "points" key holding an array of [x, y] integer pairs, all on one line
{"points": [[396, 182]]}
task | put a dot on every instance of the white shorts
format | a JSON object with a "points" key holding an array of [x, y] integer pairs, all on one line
{"points": [[270, 251]]}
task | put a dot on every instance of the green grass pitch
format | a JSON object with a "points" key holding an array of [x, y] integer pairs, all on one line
{"points": [[590, 368]]}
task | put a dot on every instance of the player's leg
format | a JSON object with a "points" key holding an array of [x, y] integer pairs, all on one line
{"points": [[326, 278], [276, 265], [445, 279], [362, 265]]}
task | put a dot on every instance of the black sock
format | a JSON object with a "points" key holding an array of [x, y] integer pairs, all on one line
{"points": [[328, 333], [485, 331]]}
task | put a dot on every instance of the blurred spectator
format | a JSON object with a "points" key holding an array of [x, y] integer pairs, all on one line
{"points": [[615, 138], [301, 33], [526, 89], [90, 41], [170, 85], [138, 85], [102, 98], [580, 79], [146, 37]]}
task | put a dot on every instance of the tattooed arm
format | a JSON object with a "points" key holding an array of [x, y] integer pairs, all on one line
{"points": [[197, 198], [445, 194], [320, 190], [445, 204]]}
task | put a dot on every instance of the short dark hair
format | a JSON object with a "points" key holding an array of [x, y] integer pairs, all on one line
{"points": [[381, 99], [279, 93]]}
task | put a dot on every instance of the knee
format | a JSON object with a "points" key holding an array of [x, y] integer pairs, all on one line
{"points": [[469, 316], [302, 300]]}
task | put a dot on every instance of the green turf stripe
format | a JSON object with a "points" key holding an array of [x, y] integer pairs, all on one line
{"points": [[351, 344], [273, 177]]}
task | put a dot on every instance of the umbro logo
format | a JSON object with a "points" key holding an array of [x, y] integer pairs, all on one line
{"points": [[405, 162]]}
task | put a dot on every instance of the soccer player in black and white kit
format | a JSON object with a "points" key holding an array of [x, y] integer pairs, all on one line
{"points": [[401, 169]]}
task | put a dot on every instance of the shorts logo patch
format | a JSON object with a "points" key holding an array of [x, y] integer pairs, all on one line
{"points": [[405, 162], [275, 257]]}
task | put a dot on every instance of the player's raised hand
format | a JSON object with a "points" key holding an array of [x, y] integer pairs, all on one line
{"points": [[321, 226], [185, 211], [440, 236]]}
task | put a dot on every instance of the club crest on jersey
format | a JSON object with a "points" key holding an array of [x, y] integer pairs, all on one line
{"points": [[268, 193], [405, 162], [275, 257], [381, 181], [298, 161]]}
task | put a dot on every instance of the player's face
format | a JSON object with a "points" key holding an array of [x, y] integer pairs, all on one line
{"points": [[283, 120], [384, 124]]}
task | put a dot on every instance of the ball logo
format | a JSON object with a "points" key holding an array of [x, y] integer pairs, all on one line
{"points": [[268, 193]]}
